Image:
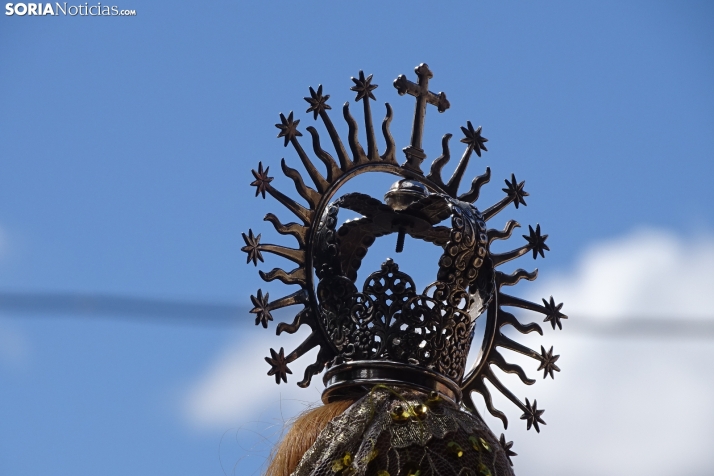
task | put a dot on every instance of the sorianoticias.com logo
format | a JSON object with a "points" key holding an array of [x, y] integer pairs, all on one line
{"points": [[56, 9]]}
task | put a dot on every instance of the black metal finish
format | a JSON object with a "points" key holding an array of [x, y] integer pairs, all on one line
{"points": [[385, 331], [342, 380], [420, 90]]}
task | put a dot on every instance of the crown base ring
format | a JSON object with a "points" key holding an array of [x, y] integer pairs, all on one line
{"points": [[354, 379]]}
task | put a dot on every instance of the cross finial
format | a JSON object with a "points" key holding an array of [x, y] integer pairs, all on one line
{"points": [[420, 90]]}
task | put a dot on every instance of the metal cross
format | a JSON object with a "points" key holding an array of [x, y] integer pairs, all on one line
{"points": [[420, 90]]}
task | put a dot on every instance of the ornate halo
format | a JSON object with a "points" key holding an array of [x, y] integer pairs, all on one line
{"points": [[312, 219]]}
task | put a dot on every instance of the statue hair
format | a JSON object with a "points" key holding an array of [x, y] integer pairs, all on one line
{"points": [[300, 437]]}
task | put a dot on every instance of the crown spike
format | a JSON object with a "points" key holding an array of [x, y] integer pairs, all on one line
{"points": [[301, 318], [532, 416], [514, 193], [502, 341], [296, 276], [472, 195], [497, 359], [295, 255], [333, 171], [298, 297], [495, 209], [503, 279], [318, 104], [452, 187], [312, 341], [547, 364], [513, 301], [502, 235], [315, 339], [388, 155], [364, 87], [508, 319], [439, 162], [278, 365], [480, 387], [357, 150], [301, 212], [553, 314], [298, 231], [263, 308], [500, 258], [312, 197], [324, 355], [320, 183], [491, 377]]}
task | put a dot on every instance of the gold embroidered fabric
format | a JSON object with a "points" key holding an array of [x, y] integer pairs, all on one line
{"points": [[391, 432]]}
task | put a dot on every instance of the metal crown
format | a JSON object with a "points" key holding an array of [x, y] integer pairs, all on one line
{"points": [[384, 331]]}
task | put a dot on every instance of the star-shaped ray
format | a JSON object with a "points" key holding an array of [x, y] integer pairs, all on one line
{"points": [[317, 101], [278, 366], [251, 247], [363, 87], [515, 191], [261, 180], [532, 416], [506, 446], [288, 128], [261, 310], [473, 138], [547, 364], [553, 314], [536, 241]]}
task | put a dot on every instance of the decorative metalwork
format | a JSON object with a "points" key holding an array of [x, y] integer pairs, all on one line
{"points": [[506, 446], [386, 331]]}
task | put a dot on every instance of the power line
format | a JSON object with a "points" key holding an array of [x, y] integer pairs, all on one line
{"points": [[109, 306], [102, 306]]}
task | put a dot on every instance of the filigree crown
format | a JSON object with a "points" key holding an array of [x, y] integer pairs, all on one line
{"points": [[385, 330]]}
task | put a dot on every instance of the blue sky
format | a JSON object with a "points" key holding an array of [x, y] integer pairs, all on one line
{"points": [[127, 145]]}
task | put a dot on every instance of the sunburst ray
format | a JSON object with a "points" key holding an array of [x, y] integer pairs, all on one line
{"points": [[480, 387], [514, 194], [472, 195], [358, 155], [309, 194], [508, 319], [288, 130], [333, 171], [300, 319], [503, 279], [473, 141], [263, 307], [388, 155], [294, 229], [498, 360], [296, 276], [364, 87], [502, 235], [438, 164], [318, 104]]}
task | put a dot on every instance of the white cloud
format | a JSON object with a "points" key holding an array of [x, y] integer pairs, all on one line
{"points": [[620, 406], [626, 405], [236, 390], [648, 273]]}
